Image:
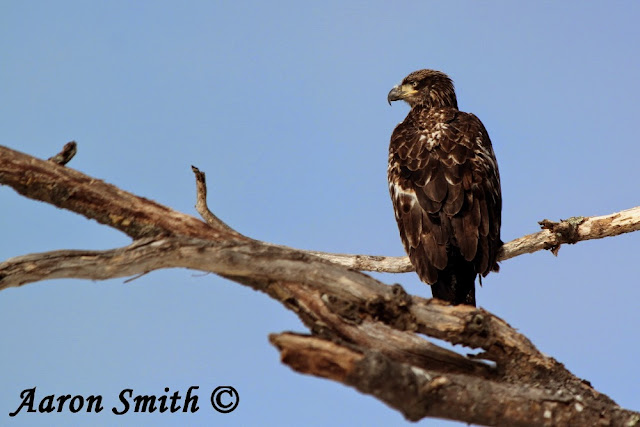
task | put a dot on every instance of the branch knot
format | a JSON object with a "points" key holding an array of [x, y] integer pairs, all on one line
{"points": [[393, 310], [565, 231]]}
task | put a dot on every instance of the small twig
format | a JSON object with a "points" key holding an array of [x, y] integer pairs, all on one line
{"points": [[201, 203], [136, 277], [63, 157]]}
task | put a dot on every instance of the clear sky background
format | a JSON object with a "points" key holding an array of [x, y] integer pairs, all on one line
{"points": [[283, 105]]}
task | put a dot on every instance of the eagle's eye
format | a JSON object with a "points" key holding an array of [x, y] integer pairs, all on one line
{"points": [[414, 84]]}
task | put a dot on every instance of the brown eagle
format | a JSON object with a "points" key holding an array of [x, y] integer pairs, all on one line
{"points": [[445, 188]]}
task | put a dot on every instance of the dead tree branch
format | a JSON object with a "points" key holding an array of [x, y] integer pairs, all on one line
{"points": [[428, 392], [365, 334], [553, 235], [69, 189]]}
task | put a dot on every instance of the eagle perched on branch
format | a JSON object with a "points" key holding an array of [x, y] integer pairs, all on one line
{"points": [[445, 188]]}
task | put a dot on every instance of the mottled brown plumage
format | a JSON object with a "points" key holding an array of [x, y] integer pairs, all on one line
{"points": [[445, 188]]}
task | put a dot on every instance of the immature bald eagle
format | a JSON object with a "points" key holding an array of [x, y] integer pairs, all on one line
{"points": [[445, 188]]}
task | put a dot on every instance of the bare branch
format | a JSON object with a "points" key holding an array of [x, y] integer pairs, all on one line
{"points": [[551, 237], [571, 231], [294, 275], [365, 332], [378, 263], [332, 301], [349, 295], [201, 203], [249, 264], [420, 393], [139, 217], [69, 189]]}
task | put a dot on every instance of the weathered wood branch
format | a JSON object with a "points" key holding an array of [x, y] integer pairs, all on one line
{"points": [[419, 393], [292, 278], [139, 217], [365, 333], [553, 235], [70, 189], [345, 306]]}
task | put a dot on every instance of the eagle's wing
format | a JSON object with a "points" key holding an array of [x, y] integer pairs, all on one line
{"points": [[445, 188]]}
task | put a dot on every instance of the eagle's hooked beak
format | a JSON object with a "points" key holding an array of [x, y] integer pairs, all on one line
{"points": [[401, 92], [395, 94]]}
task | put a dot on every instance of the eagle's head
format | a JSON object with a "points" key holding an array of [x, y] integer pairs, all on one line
{"points": [[427, 88]]}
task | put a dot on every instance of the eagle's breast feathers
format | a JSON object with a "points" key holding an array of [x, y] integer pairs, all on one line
{"points": [[445, 188]]}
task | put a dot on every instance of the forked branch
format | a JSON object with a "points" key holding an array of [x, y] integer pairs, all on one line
{"points": [[364, 333]]}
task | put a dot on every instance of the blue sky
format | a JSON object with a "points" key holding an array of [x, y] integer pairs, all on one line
{"points": [[283, 105]]}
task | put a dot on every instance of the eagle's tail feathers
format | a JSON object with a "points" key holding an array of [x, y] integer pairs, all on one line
{"points": [[456, 283]]}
